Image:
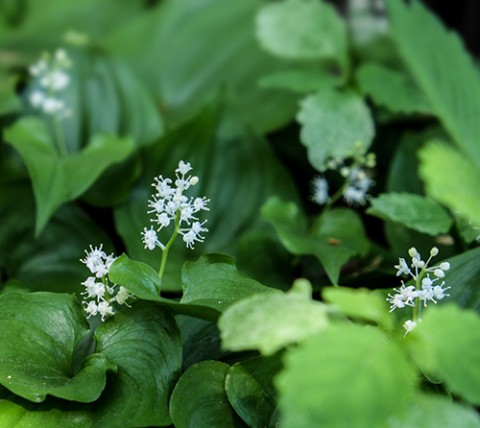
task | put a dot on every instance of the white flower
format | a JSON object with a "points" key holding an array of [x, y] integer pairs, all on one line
{"points": [[122, 296], [402, 268], [37, 98], [409, 325], [354, 195], [183, 168], [320, 190], [104, 309], [91, 309], [150, 238]]}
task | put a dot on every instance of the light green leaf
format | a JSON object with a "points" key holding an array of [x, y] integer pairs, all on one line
{"points": [[413, 211], [39, 335], [145, 344], [445, 345], [302, 30], [359, 303], [250, 390], [332, 125], [9, 102], [56, 179], [199, 399], [339, 234], [391, 89], [443, 70], [345, 376], [214, 281], [457, 189], [433, 411], [273, 321]]}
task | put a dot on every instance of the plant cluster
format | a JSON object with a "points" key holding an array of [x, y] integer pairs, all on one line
{"points": [[321, 145]]}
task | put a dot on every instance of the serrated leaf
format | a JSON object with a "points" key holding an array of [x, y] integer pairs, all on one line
{"points": [[199, 399], [57, 179], [391, 89], [359, 303], [302, 30], [347, 375], [333, 123], [413, 211], [338, 237], [271, 322], [442, 69], [145, 344], [445, 345], [39, 335], [458, 190]]}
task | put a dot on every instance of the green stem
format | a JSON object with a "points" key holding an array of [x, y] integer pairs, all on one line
{"points": [[59, 140], [170, 242]]}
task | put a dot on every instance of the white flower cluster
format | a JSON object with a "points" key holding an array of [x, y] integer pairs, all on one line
{"points": [[50, 79], [427, 287], [357, 181], [99, 293], [170, 205]]}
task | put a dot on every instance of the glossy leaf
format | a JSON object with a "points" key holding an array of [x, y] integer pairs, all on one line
{"points": [[413, 211], [56, 179], [339, 234], [346, 375], [273, 321], [199, 399], [40, 333], [436, 343], [332, 125]]}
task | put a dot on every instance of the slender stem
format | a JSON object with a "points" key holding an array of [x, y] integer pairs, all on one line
{"points": [[59, 140], [170, 242]]}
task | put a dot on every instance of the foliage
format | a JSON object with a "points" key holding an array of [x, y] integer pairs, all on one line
{"points": [[205, 206]]}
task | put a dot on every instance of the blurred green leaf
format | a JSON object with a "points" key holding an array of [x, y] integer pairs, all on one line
{"points": [[40, 333], [9, 102], [337, 236], [445, 333], [458, 190], [347, 375], [332, 125], [443, 70], [413, 211], [269, 322], [199, 399], [391, 89], [58, 179]]}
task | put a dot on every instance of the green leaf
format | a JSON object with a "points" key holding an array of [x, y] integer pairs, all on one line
{"points": [[446, 74], [339, 234], [9, 102], [58, 179], [347, 375], [199, 399], [391, 89], [332, 125], [302, 30], [446, 333], [250, 390], [145, 344], [359, 303], [214, 281], [40, 333], [413, 211], [433, 411], [458, 190], [272, 321]]}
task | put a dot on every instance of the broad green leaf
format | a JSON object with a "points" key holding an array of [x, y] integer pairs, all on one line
{"points": [[9, 102], [269, 322], [345, 376], [446, 74], [249, 387], [339, 234], [143, 282], [413, 211], [302, 30], [391, 89], [199, 399], [445, 345], [433, 411], [56, 179], [458, 190], [359, 303], [40, 333], [214, 281], [145, 344], [333, 123]]}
